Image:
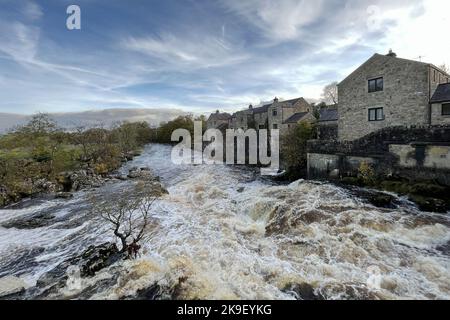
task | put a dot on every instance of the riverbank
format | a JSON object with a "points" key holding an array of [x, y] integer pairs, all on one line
{"points": [[40, 158]]}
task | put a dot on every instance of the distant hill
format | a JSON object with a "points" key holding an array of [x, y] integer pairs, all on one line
{"points": [[106, 117]]}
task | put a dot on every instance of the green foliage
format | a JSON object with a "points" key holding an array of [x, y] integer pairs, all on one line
{"points": [[41, 150], [163, 134], [293, 145], [366, 173]]}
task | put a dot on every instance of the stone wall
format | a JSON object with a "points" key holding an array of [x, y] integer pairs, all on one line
{"points": [[413, 153]]}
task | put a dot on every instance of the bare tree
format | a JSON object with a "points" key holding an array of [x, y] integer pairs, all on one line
{"points": [[444, 67], [128, 213], [330, 93]]}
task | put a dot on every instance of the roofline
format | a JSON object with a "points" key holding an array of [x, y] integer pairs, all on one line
{"points": [[403, 59], [439, 101]]}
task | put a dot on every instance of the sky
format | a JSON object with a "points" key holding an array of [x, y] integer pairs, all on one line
{"points": [[201, 55]]}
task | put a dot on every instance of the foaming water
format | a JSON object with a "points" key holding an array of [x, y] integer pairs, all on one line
{"points": [[224, 233]]}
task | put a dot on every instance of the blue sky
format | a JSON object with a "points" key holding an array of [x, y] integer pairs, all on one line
{"points": [[200, 55]]}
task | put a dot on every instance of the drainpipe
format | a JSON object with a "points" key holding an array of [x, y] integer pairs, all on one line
{"points": [[429, 96]]}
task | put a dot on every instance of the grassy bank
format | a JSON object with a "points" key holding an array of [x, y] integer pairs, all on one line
{"points": [[34, 157]]}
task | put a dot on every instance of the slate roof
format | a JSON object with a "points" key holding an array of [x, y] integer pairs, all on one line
{"points": [[262, 109], [219, 116], [442, 94], [328, 115], [296, 117], [289, 103]]}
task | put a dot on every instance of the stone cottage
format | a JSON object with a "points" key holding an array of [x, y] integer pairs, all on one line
{"points": [[261, 117], [388, 91], [217, 120], [440, 105], [280, 111], [294, 120]]}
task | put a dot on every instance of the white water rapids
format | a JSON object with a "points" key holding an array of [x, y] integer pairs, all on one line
{"points": [[231, 235]]}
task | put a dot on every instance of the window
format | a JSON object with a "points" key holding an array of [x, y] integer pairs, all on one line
{"points": [[376, 85], [275, 126], [274, 113], [261, 126], [214, 123], [434, 75], [446, 109], [376, 114]]}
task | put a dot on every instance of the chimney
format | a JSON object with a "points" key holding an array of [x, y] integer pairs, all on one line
{"points": [[391, 54], [275, 100], [250, 107]]}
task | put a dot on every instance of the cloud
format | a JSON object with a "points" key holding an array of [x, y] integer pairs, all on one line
{"points": [[189, 51], [31, 10], [278, 20]]}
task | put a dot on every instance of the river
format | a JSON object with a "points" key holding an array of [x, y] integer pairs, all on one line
{"points": [[225, 233]]}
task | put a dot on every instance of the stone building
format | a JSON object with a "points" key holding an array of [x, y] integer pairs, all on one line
{"points": [[440, 105], [218, 119], [243, 119], [261, 117], [387, 91], [294, 120], [280, 111]]}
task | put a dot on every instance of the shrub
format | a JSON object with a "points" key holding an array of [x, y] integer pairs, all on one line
{"points": [[366, 173]]}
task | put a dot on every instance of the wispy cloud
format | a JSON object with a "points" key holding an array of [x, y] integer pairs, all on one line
{"points": [[190, 51]]}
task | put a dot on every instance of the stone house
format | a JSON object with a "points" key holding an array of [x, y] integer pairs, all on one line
{"points": [[294, 120], [217, 120], [261, 117], [440, 105], [243, 119], [387, 91], [280, 111]]}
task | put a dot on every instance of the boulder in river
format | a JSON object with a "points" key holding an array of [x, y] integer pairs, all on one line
{"points": [[96, 258], [303, 291], [11, 285]]}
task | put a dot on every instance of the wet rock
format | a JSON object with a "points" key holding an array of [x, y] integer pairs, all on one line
{"points": [[140, 173], [445, 249], [11, 285], [64, 195], [154, 292], [302, 291], [44, 186], [32, 222], [96, 258], [24, 260], [78, 180], [57, 277], [430, 204], [376, 198]]}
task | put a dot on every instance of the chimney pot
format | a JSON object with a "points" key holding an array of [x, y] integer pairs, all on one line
{"points": [[392, 54]]}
